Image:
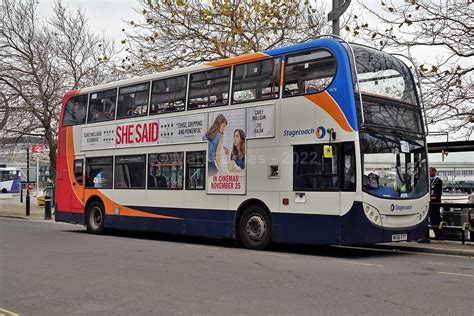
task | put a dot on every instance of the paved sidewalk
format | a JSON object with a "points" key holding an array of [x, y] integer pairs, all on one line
{"points": [[10, 206], [446, 247]]}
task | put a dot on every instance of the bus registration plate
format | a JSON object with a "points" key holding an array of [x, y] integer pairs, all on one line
{"points": [[399, 237]]}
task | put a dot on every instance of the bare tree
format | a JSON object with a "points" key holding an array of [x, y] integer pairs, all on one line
{"points": [[39, 62], [444, 27], [179, 33]]}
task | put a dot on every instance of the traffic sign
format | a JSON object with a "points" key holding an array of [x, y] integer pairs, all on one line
{"points": [[37, 148]]}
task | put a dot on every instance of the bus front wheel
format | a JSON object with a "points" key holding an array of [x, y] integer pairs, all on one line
{"points": [[95, 218], [255, 228]]}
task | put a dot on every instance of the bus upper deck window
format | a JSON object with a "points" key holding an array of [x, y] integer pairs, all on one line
{"points": [[75, 110], [256, 81], [168, 95], [133, 100], [102, 106], [309, 72], [209, 88]]}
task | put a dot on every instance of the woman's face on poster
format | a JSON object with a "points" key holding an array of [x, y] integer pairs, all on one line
{"points": [[237, 139], [222, 127]]}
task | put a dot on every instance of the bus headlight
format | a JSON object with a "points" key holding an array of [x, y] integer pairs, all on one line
{"points": [[425, 212], [372, 214]]}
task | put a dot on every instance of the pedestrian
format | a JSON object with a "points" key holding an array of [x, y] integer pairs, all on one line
{"points": [[436, 189]]}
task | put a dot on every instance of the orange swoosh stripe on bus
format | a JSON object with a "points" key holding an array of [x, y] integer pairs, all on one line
{"points": [[327, 103], [237, 60], [77, 189], [109, 205]]}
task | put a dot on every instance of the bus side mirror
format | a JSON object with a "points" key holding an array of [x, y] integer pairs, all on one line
{"points": [[327, 149]]}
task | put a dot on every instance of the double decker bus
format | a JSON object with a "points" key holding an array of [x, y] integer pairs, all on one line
{"points": [[317, 143], [10, 179]]}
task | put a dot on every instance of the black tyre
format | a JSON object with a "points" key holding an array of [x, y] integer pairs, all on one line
{"points": [[95, 218], [255, 228], [4, 190]]}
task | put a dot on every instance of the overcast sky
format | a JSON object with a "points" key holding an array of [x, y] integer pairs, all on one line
{"points": [[105, 16]]}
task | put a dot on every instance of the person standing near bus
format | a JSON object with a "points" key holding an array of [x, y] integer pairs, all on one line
{"points": [[436, 189], [214, 140]]}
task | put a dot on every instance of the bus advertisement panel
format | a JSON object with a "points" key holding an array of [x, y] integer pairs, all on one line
{"points": [[224, 131]]}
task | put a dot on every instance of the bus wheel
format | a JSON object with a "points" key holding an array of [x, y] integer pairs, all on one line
{"points": [[255, 228], [95, 218], [4, 190]]}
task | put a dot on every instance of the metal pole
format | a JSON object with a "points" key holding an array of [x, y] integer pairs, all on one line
{"points": [[28, 181], [37, 174]]}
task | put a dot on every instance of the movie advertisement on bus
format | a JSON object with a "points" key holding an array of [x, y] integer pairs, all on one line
{"points": [[226, 138]]}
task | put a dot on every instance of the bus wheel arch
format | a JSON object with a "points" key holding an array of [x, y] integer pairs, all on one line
{"points": [[94, 215], [253, 225]]}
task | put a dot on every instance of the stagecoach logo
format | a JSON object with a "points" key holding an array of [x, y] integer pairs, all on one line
{"points": [[320, 132], [400, 208]]}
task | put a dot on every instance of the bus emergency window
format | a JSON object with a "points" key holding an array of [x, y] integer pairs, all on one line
{"points": [[312, 171], [102, 106], [309, 72], [165, 171], [209, 88], [78, 170], [129, 172], [196, 170], [133, 100], [256, 81], [99, 172], [168, 95], [75, 110]]}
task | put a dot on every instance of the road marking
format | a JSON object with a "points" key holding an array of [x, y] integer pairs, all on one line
{"points": [[457, 274], [4, 312], [359, 263]]}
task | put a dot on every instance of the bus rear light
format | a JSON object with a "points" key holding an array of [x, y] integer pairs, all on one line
{"points": [[286, 201]]}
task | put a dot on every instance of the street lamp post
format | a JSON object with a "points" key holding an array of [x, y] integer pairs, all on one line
{"points": [[338, 8]]}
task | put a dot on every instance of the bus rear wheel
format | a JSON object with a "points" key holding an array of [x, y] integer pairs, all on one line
{"points": [[255, 228], [95, 218]]}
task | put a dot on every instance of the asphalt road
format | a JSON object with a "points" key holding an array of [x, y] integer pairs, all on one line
{"points": [[58, 269]]}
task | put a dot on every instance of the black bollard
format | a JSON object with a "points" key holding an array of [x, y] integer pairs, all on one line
{"points": [[21, 193], [27, 202], [47, 207]]}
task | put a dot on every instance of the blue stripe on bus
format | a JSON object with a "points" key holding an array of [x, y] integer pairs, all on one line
{"points": [[340, 88], [351, 229]]}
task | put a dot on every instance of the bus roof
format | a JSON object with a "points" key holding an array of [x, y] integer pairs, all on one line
{"points": [[218, 63]]}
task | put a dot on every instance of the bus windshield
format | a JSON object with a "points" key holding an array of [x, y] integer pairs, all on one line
{"points": [[383, 75], [393, 167]]}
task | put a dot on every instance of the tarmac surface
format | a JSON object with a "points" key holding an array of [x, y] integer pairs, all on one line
{"points": [[11, 207]]}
